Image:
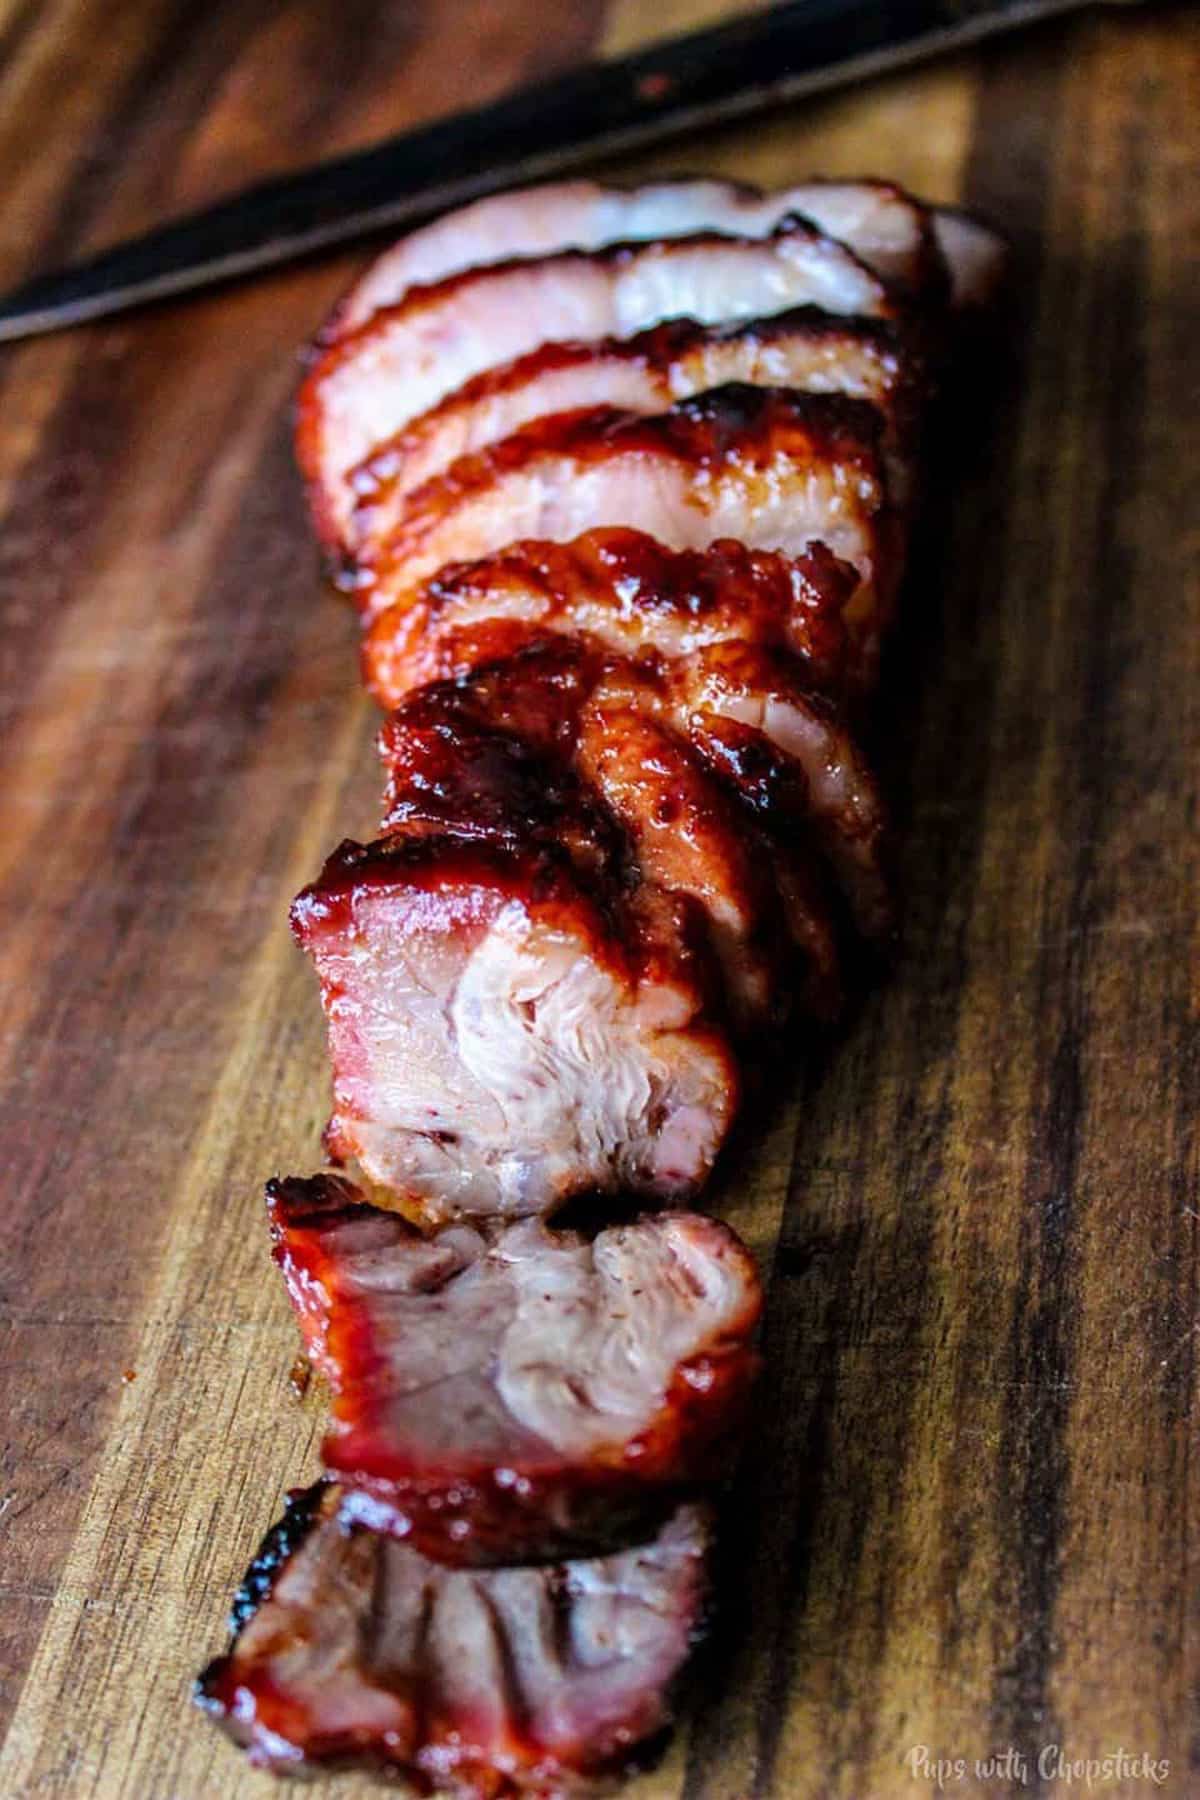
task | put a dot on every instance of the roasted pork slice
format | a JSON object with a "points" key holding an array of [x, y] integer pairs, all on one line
{"points": [[690, 839], [370, 384], [630, 594], [508, 1027], [807, 349], [891, 231], [536, 1396], [789, 753], [748, 715], [524, 747], [774, 469], [626, 735], [352, 1648]]}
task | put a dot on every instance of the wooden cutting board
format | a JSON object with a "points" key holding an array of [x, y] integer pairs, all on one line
{"points": [[969, 1519]]}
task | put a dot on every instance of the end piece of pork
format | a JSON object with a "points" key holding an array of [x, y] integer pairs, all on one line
{"points": [[369, 385], [532, 1397], [886, 227], [507, 1029], [630, 594], [352, 1648], [774, 469], [814, 351]]}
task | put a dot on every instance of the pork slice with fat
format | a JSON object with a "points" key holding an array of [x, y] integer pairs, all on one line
{"points": [[352, 1648], [407, 358], [508, 1027], [525, 1398], [891, 231], [773, 469], [806, 349], [631, 595]]}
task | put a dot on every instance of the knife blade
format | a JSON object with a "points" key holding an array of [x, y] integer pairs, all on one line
{"points": [[751, 62]]}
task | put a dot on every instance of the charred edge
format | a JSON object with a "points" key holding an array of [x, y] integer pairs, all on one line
{"points": [[312, 1199], [281, 1543], [300, 1517]]}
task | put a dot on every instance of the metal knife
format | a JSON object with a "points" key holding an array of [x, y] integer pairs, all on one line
{"points": [[751, 62]]}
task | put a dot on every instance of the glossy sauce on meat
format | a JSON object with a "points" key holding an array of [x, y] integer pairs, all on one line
{"points": [[408, 357], [774, 469], [806, 349]]}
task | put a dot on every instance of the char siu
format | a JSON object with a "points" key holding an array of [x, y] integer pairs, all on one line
{"points": [[505, 1029], [407, 358], [633, 596], [622, 485], [890, 231], [532, 1397], [775, 469], [805, 349], [509, 1026], [352, 1648]]}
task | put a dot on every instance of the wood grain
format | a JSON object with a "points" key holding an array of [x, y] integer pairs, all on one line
{"points": [[969, 1517]]}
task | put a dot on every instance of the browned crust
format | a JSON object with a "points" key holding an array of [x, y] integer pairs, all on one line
{"points": [[751, 432], [883, 350], [520, 752], [441, 631]]}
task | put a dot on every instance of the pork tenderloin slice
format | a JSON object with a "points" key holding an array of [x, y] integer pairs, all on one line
{"points": [[814, 351], [774, 469], [369, 385], [790, 754], [532, 1397], [688, 838], [596, 738], [506, 1030], [890, 230], [352, 1648], [627, 592]]}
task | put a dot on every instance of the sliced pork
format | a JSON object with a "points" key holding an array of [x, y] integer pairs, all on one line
{"points": [[522, 1399], [407, 358], [895, 234], [634, 597], [351, 1647], [775, 469], [622, 484], [592, 870], [806, 349], [509, 1027], [791, 756], [639, 742]]}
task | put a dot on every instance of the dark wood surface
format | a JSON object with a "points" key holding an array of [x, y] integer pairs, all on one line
{"points": [[971, 1513]]}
